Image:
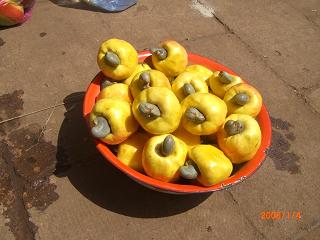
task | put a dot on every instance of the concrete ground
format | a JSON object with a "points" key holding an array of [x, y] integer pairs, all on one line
{"points": [[47, 63]]}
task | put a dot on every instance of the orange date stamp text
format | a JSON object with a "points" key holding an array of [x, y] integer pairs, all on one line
{"points": [[280, 215]]}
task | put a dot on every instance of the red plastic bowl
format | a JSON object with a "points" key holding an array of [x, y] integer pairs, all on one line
{"points": [[244, 172]]}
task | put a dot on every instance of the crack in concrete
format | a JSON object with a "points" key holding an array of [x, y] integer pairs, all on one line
{"points": [[310, 88], [226, 27], [302, 14], [296, 91], [309, 19], [40, 110], [30, 113], [297, 236], [245, 216]]}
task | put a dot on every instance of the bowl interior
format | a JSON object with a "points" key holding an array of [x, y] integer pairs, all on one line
{"points": [[246, 169]]}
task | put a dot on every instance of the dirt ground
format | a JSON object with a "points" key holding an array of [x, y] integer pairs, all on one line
{"points": [[55, 185]]}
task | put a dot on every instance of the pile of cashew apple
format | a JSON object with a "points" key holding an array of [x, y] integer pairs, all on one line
{"points": [[171, 119]]}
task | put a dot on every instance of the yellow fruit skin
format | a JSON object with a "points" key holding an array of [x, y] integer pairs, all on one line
{"points": [[251, 108], [214, 166], [157, 79], [119, 116], [188, 138], [243, 146], [219, 88], [212, 107], [128, 59], [130, 151], [176, 61], [163, 168], [191, 78], [202, 72], [140, 67], [169, 106], [116, 91]]}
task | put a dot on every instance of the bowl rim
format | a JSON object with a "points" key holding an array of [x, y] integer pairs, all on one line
{"points": [[247, 170]]}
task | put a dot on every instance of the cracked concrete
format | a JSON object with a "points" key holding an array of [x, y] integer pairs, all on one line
{"points": [[315, 99], [285, 29], [300, 92], [261, 235], [273, 45], [276, 99]]}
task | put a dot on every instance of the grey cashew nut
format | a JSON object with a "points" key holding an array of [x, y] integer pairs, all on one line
{"points": [[194, 115], [101, 127], [167, 145], [241, 98], [225, 77], [106, 83], [189, 171], [149, 111], [161, 53], [112, 59], [144, 80], [188, 89], [233, 127]]}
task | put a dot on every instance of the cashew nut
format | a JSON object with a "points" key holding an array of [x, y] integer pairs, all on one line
{"points": [[101, 128], [149, 111], [167, 145], [161, 53], [144, 80], [224, 77], [112, 59], [188, 89], [233, 127], [241, 98], [194, 115], [189, 170], [106, 83]]}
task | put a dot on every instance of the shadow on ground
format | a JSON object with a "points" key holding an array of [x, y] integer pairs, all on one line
{"points": [[102, 183], [78, 5]]}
